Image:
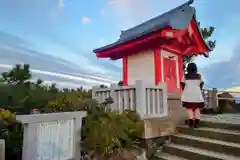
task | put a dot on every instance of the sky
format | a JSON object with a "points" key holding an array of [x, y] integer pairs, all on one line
{"points": [[57, 37]]}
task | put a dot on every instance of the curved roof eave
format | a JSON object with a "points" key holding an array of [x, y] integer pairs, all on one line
{"points": [[200, 33]]}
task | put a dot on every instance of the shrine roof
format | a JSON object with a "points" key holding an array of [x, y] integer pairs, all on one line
{"points": [[177, 18]]}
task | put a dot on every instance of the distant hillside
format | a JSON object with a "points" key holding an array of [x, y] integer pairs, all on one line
{"points": [[234, 89], [238, 100]]}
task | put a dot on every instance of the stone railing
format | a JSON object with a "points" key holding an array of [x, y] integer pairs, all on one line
{"points": [[52, 136], [212, 96], [2, 149], [149, 101]]}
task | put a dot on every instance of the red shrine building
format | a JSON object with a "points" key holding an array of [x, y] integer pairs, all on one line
{"points": [[153, 51]]}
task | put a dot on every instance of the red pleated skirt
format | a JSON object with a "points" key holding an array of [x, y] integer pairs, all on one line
{"points": [[193, 105]]}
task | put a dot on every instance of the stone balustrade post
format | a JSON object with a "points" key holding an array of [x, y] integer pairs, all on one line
{"points": [[52, 136], [140, 98]]}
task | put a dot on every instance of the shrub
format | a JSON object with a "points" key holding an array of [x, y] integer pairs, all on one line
{"points": [[61, 104], [12, 133], [67, 102], [136, 129], [105, 131]]}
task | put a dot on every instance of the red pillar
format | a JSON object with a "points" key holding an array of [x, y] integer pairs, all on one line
{"points": [[180, 70], [157, 64], [180, 67], [125, 71]]}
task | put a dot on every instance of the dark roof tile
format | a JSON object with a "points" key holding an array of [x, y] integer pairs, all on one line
{"points": [[177, 18]]}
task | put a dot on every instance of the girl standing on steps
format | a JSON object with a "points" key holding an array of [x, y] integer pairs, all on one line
{"points": [[192, 97]]}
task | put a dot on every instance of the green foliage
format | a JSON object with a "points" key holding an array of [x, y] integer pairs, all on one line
{"points": [[206, 33], [61, 104], [69, 101], [20, 95], [137, 125], [11, 132], [108, 101], [106, 131], [103, 86], [120, 83], [18, 75]]}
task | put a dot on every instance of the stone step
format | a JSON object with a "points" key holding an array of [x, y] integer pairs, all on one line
{"points": [[211, 133], [195, 153], [206, 143], [228, 126], [165, 156]]}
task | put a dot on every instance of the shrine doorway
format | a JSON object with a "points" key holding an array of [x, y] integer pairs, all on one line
{"points": [[170, 73]]}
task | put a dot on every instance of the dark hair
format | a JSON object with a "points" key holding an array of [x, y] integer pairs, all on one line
{"points": [[191, 68]]}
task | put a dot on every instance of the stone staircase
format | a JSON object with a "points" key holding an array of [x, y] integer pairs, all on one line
{"points": [[212, 141]]}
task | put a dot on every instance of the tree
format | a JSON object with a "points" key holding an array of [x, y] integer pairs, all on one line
{"points": [[18, 75], [104, 131], [19, 94], [120, 83], [53, 88], [39, 82], [66, 90], [206, 33], [103, 86], [80, 89]]}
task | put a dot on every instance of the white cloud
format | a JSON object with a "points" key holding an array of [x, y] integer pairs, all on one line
{"points": [[71, 56], [129, 12], [60, 3], [85, 20], [132, 12], [225, 73], [99, 80]]}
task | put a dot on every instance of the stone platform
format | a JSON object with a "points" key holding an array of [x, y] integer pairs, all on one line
{"points": [[222, 118]]}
